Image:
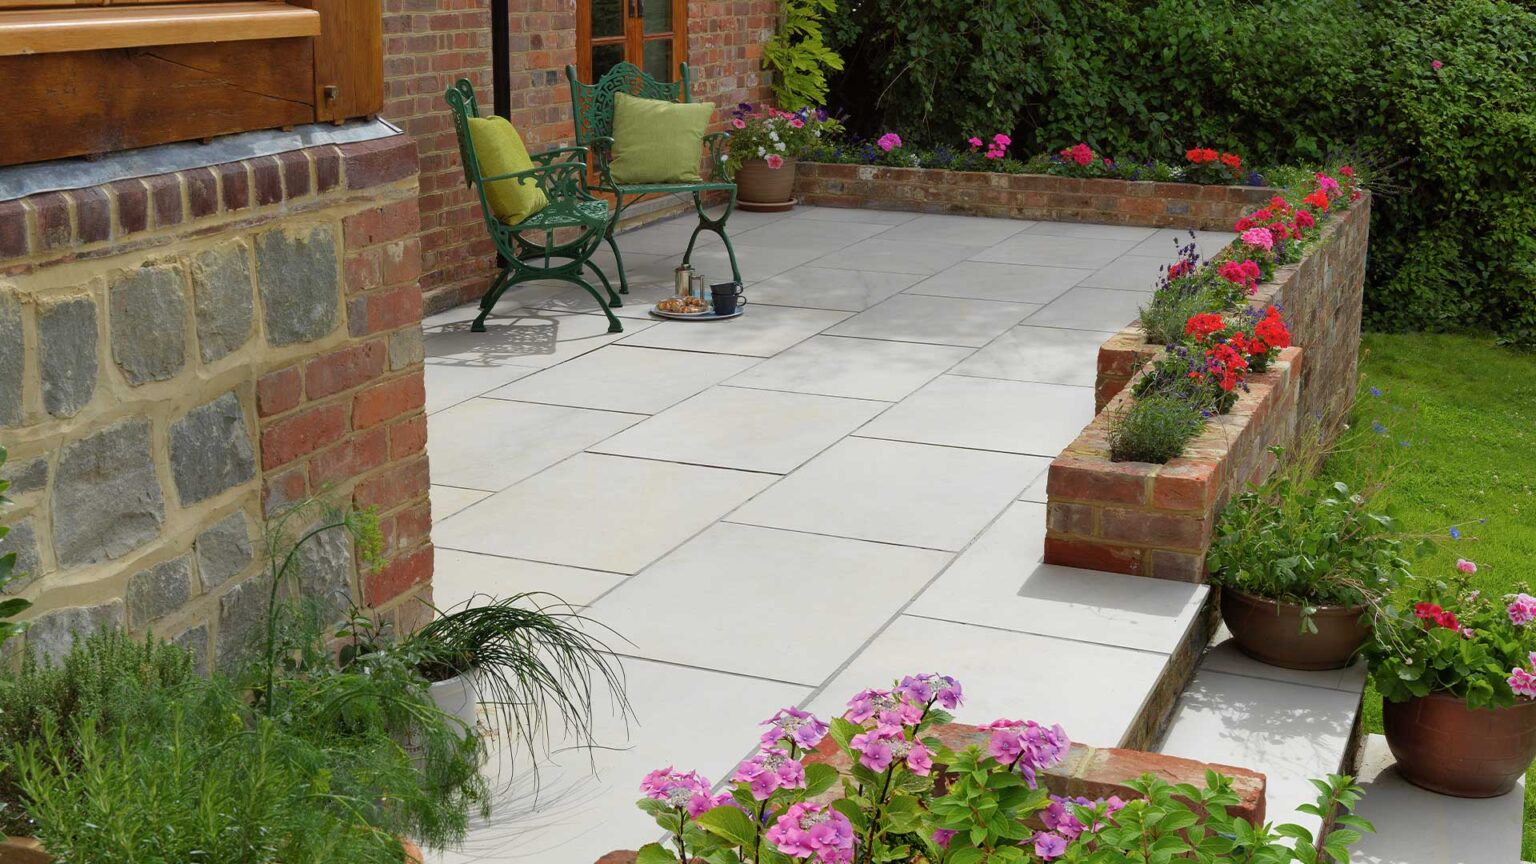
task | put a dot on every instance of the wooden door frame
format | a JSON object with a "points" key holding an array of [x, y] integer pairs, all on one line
{"points": [[633, 39]]}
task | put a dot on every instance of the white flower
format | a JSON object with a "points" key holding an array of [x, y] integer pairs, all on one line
{"points": [[779, 146], [818, 133], [761, 152], [725, 158], [772, 135]]}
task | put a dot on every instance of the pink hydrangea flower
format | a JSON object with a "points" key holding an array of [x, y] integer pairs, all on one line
{"points": [[770, 771], [814, 832], [1049, 846], [942, 836], [876, 747], [1522, 610], [801, 727], [889, 141], [1026, 745], [689, 791], [1465, 566], [886, 707], [775, 161], [925, 687], [1259, 237]]}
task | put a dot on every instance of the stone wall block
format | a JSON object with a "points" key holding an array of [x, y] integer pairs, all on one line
{"points": [[66, 340], [325, 570], [242, 613], [148, 324], [299, 282], [159, 591], [12, 360], [224, 550], [211, 450], [22, 540], [24, 477], [222, 297], [195, 640], [106, 498], [51, 634]]}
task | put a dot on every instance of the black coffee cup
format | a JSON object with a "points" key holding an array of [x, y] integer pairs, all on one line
{"points": [[726, 297]]}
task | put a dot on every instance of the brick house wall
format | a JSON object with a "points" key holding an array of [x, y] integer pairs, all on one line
{"points": [[429, 44]]}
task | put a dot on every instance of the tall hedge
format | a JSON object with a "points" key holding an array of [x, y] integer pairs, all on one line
{"points": [[1451, 145]]}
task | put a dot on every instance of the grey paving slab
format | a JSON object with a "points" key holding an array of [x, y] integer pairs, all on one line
{"points": [[761, 331], [1052, 689], [935, 320], [829, 288], [1092, 231], [755, 262], [622, 378], [448, 500], [1290, 732], [1415, 826], [524, 338], [450, 381], [988, 414], [1049, 355], [1000, 582], [1224, 656], [1084, 308], [894, 492], [897, 256], [853, 214], [1018, 283], [599, 512], [961, 230], [750, 430], [1051, 250], [581, 806], [857, 368], [1129, 273], [749, 588], [809, 235], [1164, 242], [489, 444], [463, 575]]}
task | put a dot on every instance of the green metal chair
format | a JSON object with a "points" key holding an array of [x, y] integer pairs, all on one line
{"points": [[592, 110], [572, 210]]}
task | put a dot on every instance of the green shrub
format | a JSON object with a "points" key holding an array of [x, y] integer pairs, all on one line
{"points": [[1451, 150], [1154, 428]]}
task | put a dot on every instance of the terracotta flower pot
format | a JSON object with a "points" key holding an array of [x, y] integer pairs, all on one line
{"points": [[759, 185], [1270, 632], [1444, 746]]}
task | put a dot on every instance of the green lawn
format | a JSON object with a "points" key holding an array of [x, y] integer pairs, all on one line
{"points": [[1467, 410]]}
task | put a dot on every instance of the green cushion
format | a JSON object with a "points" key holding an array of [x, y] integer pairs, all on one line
{"points": [[658, 142], [499, 150]]}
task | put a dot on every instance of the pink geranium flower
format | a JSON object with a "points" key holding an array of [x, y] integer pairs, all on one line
{"points": [[1465, 566], [1259, 237], [1522, 610], [1523, 682], [974, 142], [889, 141], [1435, 65]]}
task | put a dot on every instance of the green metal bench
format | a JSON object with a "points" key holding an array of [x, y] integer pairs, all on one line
{"points": [[572, 209], [592, 110]]}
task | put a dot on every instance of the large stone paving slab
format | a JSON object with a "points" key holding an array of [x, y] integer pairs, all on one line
{"points": [[856, 368], [935, 320], [621, 378], [1015, 283], [489, 444], [749, 430], [600, 512], [471, 576], [988, 414], [789, 606], [829, 288], [1048, 355], [1093, 691], [1084, 308], [893, 492], [764, 332]]}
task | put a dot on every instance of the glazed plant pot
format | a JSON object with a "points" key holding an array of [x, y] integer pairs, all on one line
{"points": [[1444, 746], [1270, 631], [759, 185]]}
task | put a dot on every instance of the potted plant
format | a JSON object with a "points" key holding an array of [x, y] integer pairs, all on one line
{"points": [[1304, 565], [765, 142], [907, 796], [1455, 670]]}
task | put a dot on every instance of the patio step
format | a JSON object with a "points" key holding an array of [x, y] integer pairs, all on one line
{"points": [[1414, 826], [1290, 725]]}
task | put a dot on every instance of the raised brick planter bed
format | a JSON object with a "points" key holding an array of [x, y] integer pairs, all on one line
{"points": [[1090, 772], [1320, 298], [1156, 520], [1026, 196]]}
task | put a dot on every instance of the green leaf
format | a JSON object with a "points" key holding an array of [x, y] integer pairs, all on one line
{"points": [[729, 823], [654, 853], [819, 777]]}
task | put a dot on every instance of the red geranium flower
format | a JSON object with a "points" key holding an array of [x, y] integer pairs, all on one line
{"points": [[1318, 200], [1232, 160], [1179, 268], [1272, 329], [1203, 325], [1426, 611], [1304, 219]]}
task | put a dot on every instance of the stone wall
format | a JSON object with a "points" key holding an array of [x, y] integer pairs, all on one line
{"points": [[1026, 196], [429, 44], [180, 356], [1157, 520], [1320, 298]]}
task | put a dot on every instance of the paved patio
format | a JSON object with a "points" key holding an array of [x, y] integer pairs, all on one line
{"points": [[844, 485]]}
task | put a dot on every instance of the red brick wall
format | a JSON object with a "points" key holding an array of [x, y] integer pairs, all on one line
{"points": [[429, 44], [1026, 196]]}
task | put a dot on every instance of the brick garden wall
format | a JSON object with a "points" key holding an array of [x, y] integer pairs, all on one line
{"points": [[180, 356], [1026, 196], [1321, 300], [429, 44]]}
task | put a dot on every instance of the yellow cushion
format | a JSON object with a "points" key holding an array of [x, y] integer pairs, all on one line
{"points": [[500, 150], [658, 142]]}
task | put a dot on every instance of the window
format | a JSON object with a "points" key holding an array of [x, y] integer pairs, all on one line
{"points": [[652, 34]]}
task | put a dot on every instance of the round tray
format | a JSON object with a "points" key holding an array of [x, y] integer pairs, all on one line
{"points": [[695, 316]]}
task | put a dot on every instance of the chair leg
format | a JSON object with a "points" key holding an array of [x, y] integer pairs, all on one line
{"points": [[618, 261], [717, 226], [613, 323], [614, 300], [499, 286]]}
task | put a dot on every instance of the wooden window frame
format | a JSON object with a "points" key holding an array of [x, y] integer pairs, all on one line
{"points": [[634, 37]]}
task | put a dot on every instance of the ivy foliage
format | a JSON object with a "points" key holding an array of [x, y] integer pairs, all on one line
{"points": [[1434, 98]]}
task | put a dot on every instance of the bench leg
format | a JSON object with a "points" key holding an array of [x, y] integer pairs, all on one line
{"points": [[717, 226], [499, 286], [613, 323], [614, 300]]}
